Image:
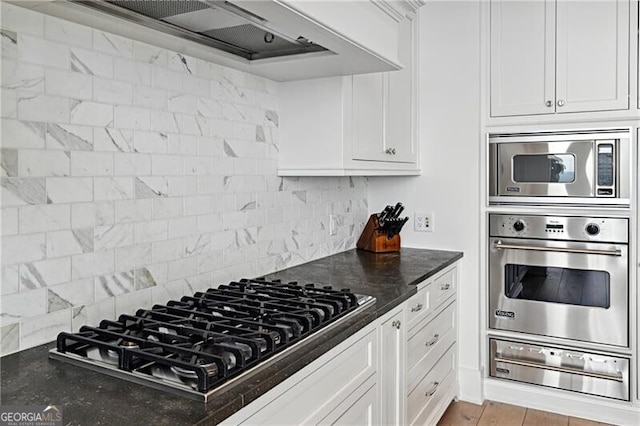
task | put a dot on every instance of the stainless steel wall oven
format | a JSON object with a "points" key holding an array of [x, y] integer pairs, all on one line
{"points": [[575, 168], [560, 276]]}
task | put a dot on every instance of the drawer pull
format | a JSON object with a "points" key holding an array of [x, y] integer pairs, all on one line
{"points": [[417, 307], [433, 389], [445, 287], [396, 324], [433, 341]]}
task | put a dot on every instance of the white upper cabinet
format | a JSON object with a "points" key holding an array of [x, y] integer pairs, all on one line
{"points": [[354, 125], [560, 56]]}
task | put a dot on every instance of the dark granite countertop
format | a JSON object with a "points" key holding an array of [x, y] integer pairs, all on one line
{"points": [[90, 398]]}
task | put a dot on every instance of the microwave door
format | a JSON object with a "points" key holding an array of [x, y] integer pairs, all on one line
{"points": [[546, 169]]}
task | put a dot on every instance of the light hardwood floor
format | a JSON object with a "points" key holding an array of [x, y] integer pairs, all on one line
{"points": [[497, 414]]}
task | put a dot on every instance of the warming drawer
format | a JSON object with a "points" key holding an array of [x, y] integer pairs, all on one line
{"points": [[589, 373]]}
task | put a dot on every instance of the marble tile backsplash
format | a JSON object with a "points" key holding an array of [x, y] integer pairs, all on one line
{"points": [[131, 175]]}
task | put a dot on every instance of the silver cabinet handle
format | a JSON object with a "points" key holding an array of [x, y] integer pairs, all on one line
{"points": [[445, 287], [433, 389], [417, 307], [549, 103], [396, 324], [560, 369], [560, 103], [499, 245], [433, 341], [390, 151]]}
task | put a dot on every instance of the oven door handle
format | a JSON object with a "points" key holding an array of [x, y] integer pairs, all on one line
{"points": [[560, 369], [501, 246]]}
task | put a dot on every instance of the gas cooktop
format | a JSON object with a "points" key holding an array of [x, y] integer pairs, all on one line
{"points": [[202, 344]]}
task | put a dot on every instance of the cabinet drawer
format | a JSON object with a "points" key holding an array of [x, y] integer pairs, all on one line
{"points": [[315, 395], [428, 342], [432, 389], [418, 306], [444, 286]]}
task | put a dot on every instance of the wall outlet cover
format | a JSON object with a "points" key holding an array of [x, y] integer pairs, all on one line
{"points": [[423, 222]]}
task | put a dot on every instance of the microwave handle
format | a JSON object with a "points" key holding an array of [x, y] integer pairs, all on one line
{"points": [[499, 245]]}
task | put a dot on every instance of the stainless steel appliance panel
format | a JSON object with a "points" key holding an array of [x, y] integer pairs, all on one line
{"points": [[572, 370], [567, 289]]}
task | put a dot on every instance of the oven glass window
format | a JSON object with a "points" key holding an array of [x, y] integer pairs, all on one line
{"points": [[544, 168], [557, 285]]}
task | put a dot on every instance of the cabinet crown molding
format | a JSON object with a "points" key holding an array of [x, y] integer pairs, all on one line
{"points": [[399, 9]]}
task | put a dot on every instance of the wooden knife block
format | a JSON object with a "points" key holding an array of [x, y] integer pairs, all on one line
{"points": [[376, 241]]}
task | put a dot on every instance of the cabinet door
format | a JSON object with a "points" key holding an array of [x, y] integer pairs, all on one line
{"points": [[361, 412], [401, 102], [392, 338], [368, 97], [522, 57], [592, 69]]}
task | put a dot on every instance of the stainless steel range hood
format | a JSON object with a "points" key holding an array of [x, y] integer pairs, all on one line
{"points": [[219, 24], [279, 39]]}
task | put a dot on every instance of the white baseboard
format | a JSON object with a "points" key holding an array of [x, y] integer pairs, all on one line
{"points": [[562, 402], [470, 385]]}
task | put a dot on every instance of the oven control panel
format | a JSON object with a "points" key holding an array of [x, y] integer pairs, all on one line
{"points": [[573, 228]]}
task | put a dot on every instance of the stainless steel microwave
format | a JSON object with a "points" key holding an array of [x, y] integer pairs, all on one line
{"points": [[581, 168]]}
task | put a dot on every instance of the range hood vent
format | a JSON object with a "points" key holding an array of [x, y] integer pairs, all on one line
{"points": [[219, 24]]}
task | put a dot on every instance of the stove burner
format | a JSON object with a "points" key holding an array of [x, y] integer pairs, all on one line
{"points": [[201, 341]]}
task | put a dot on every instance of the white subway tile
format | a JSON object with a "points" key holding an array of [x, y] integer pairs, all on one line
{"points": [[182, 63], [17, 18], [8, 162], [88, 215], [113, 236], [10, 281], [22, 134], [129, 303], [133, 210], [90, 62], [69, 242], [165, 165], [68, 84], [182, 144], [45, 328], [34, 163], [198, 204], [69, 190], [195, 125], [23, 248], [114, 284], [167, 207], [210, 108], [147, 232], [118, 188], [110, 139], [9, 46], [43, 52], [162, 121], [210, 184], [9, 104], [151, 187], [195, 85], [132, 72], [197, 245], [181, 186], [44, 273], [36, 107], [133, 257], [131, 117], [21, 191], [221, 128], [165, 292], [112, 44], [163, 251], [9, 221], [210, 146], [150, 142], [43, 218], [132, 164], [149, 97], [183, 226], [69, 137], [22, 76], [210, 262], [149, 54], [197, 165], [92, 264], [163, 78], [68, 295], [112, 92], [20, 306], [209, 223], [182, 102], [92, 314], [67, 32], [182, 268], [91, 113], [87, 163]]}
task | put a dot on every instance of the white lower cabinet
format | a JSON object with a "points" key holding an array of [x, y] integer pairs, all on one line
{"points": [[401, 369]]}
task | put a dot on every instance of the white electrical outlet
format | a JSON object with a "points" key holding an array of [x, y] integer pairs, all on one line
{"points": [[333, 224], [423, 222]]}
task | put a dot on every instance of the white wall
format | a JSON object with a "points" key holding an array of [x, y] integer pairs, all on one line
{"points": [[449, 153]]}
